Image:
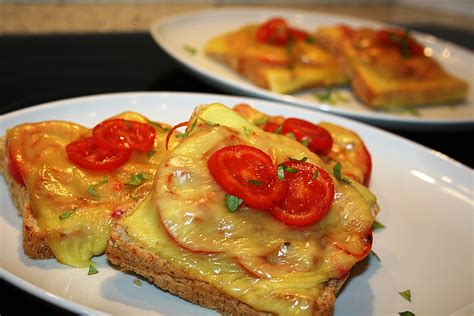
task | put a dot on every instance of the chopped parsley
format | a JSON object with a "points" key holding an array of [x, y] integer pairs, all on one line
{"points": [[336, 170], [150, 153], [190, 49], [247, 131], [300, 160], [305, 142], [186, 134], [232, 202], [406, 295], [377, 225], [92, 270], [91, 189], [255, 182], [315, 175], [278, 130], [68, 213], [375, 255], [138, 178]]}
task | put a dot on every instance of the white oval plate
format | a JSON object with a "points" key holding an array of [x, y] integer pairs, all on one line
{"points": [[195, 29], [427, 208]]}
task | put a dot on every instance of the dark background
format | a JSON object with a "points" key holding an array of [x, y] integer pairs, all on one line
{"points": [[42, 68]]}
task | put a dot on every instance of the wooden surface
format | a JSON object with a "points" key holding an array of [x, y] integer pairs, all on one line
{"points": [[24, 18]]}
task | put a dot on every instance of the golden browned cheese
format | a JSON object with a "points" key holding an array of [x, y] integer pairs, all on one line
{"points": [[247, 254], [284, 69], [73, 206]]}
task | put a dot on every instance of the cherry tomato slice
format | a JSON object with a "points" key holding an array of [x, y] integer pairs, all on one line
{"points": [[398, 38], [248, 173], [14, 168], [310, 195], [124, 134], [271, 127], [274, 31], [319, 139], [87, 154]]}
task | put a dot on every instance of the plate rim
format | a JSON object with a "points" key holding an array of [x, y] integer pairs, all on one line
{"points": [[73, 306], [376, 118]]}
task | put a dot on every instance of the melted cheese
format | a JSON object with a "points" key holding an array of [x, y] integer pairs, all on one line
{"points": [[247, 254], [56, 187]]}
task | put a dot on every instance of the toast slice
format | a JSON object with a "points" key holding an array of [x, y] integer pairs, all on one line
{"points": [[48, 189], [183, 239], [388, 68], [299, 65]]}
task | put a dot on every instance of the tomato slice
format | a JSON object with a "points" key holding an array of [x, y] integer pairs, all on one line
{"points": [[319, 139], [310, 194], [248, 173], [124, 134], [275, 31], [399, 39], [298, 34], [14, 168], [271, 127], [87, 154]]}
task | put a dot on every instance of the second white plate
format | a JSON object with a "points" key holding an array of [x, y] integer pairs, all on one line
{"points": [[184, 37]]}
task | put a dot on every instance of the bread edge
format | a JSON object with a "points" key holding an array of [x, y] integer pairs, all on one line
{"points": [[35, 244], [123, 252]]}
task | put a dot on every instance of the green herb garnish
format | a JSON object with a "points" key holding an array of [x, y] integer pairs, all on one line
{"points": [[305, 142], [209, 123], [406, 313], [315, 175], [401, 110], [232, 202], [91, 189], [186, 134], [300, 160], [255, 182], [375, 255], [190, 49], [150, 153], [406, 295], [377, 225], [278, 130], [138, 178], [310, 39], [92, 270], [137, 282], [67, 213], [336, 170], [291, 135], [247, 131]]}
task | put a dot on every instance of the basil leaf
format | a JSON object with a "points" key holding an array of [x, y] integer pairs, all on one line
{"points": [[377, 225], [92, 270], [406, 295], [68, 213], [232, 202], [91, 189], [138, 179], [406, 313]]}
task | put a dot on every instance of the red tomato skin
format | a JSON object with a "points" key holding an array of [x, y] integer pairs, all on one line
{"points": [[386, 38], [14, 168], [124, 134], [274, 31], [87, 154], [308, 200], [298, 34], [248, 173], [319, 139], [270, 127]]}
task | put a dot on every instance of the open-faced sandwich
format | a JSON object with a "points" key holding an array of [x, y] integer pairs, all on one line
{"points": [[252, 222], [243, 212], [389, 68], [277, 57], [71, 183]]}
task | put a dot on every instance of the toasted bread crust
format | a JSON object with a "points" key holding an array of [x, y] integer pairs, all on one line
{"points": [[130, 256], [35, 244]]}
